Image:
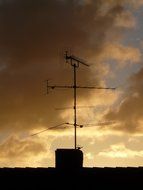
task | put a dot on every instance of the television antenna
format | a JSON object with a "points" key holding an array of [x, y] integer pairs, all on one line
{"points": [[75, 62]]}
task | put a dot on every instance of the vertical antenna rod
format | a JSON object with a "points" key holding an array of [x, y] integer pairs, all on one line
{"points": [[75, 61], [75, 119]]}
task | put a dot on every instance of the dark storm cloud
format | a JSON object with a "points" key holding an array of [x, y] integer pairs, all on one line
{"points": [[31, 35]]}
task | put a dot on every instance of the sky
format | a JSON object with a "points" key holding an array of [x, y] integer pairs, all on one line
{"points": [[34, 36]]}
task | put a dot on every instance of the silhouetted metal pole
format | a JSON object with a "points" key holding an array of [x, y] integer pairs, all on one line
{"points": [[75, 117]]}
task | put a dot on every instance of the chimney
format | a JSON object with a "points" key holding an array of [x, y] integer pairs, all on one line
{"points": [[69, 158]]}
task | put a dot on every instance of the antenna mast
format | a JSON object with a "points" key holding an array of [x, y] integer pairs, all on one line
{"points": [[75, 63]]}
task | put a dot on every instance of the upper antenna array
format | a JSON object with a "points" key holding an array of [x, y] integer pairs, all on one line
{"points": [[75, 60]]}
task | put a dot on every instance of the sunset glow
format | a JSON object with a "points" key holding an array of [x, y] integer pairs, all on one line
{"points": [[34, 36]]}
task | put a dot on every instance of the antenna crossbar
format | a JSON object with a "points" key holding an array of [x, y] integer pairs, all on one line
{"points": [[96, 87], [56, 86], [81, 87]]}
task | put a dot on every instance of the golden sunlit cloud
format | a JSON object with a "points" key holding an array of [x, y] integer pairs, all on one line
{"points": [[17, 152], [120, 53], [120, 151]]}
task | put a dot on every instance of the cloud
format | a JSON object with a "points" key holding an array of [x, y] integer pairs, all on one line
{"points": [[31, 35], [129, 114], [13, 147], [136, 4], [120, 53], [89, 156], [15, 151], [93, 109], [133, 3], [120, 151], [126, 19]]}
